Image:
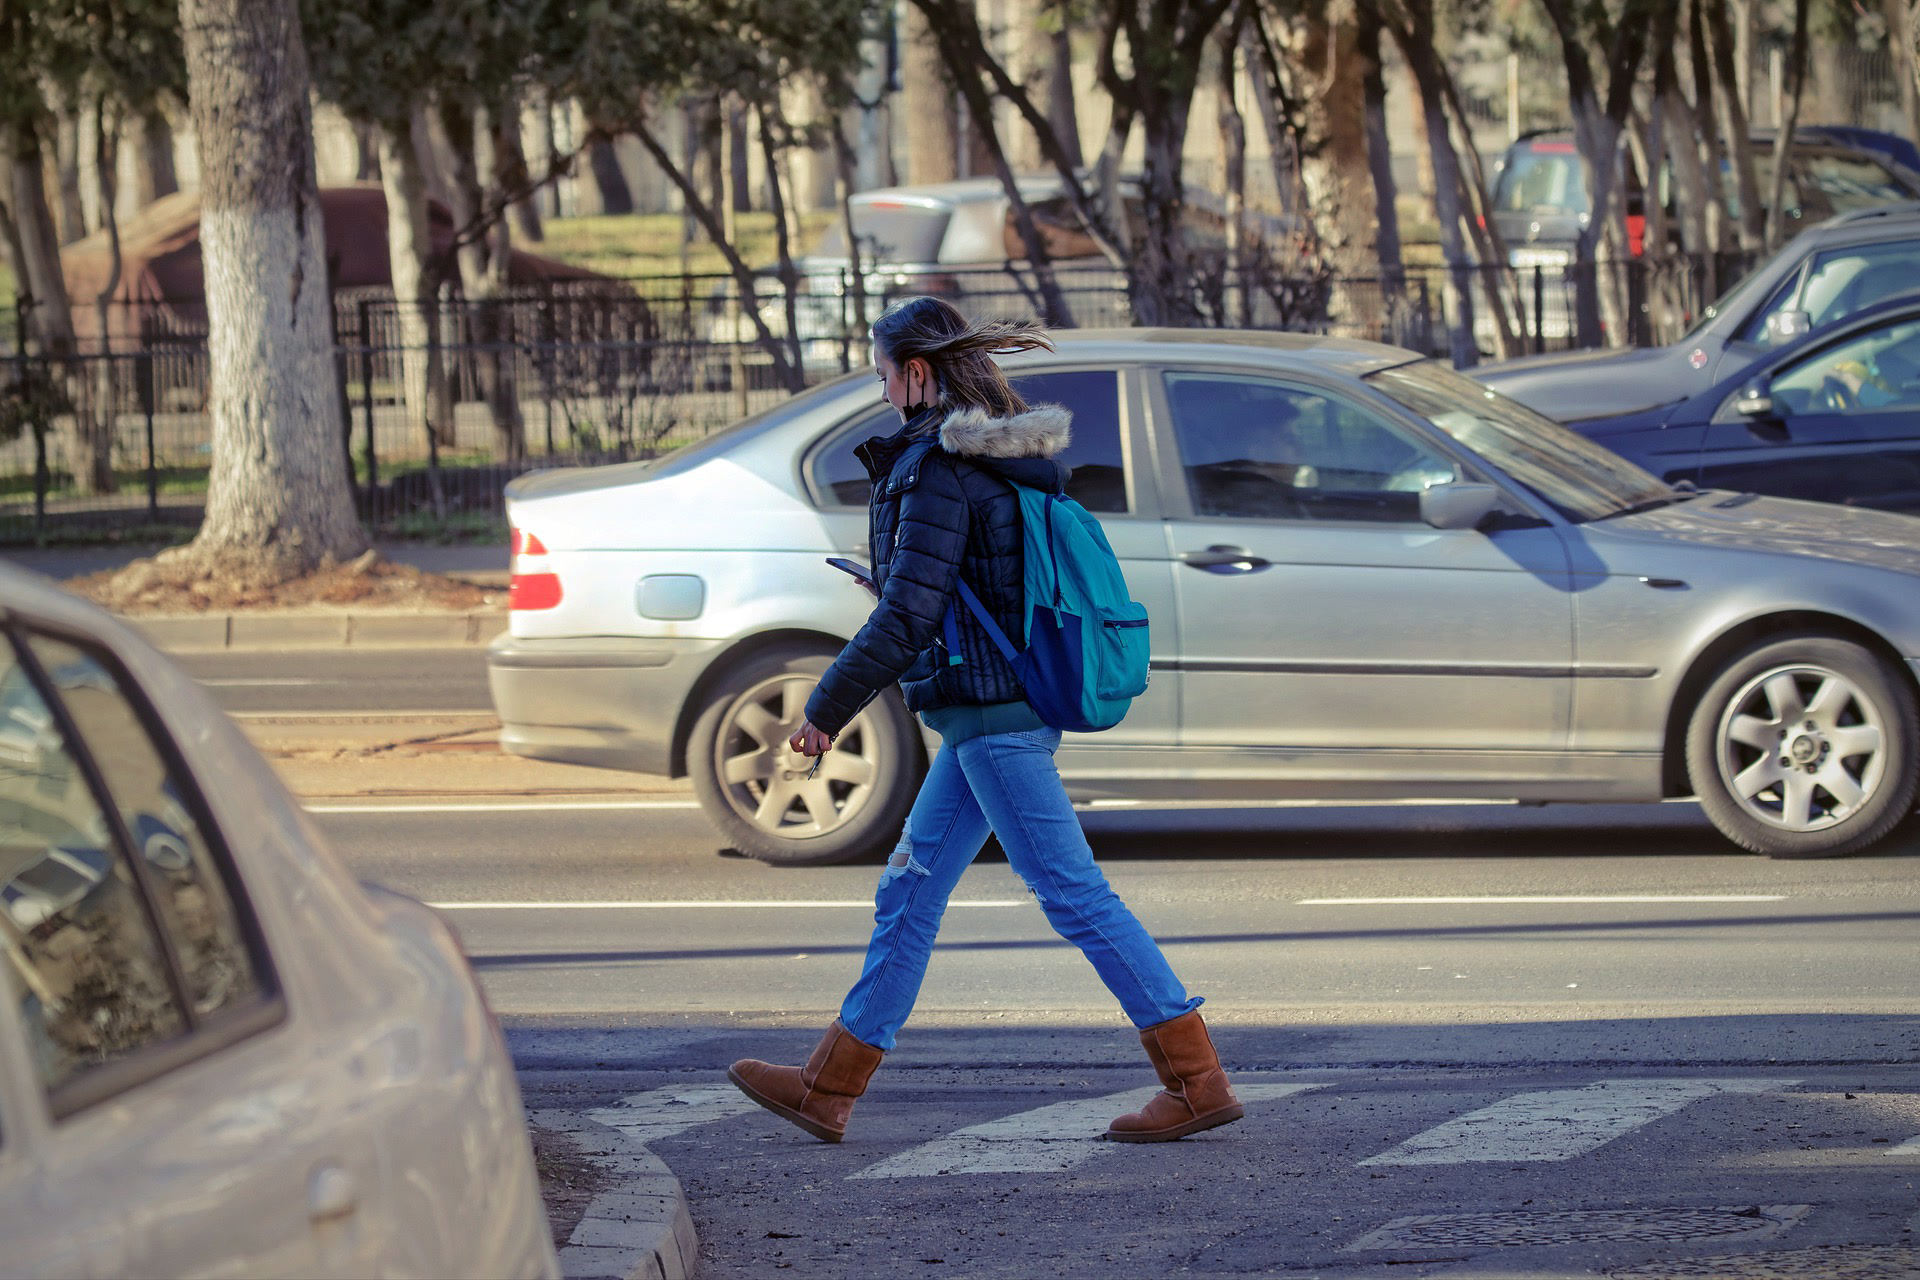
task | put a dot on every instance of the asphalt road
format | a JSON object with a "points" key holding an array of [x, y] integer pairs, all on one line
{"points": [[1473, 1040], [343, 680]]}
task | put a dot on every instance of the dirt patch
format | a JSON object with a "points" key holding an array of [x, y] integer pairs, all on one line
{"points": [[569, 1180], [171, 584]]}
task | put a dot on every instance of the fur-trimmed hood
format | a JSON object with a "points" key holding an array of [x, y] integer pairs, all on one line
{"points": [[1023, 448], [1041, 432]]}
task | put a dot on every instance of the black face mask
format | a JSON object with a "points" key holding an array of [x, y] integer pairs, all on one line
{"points": [[918, 407]]}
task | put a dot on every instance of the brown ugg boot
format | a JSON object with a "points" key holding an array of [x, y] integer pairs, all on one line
{"points": [[819, 1096], [1197, 1093]]}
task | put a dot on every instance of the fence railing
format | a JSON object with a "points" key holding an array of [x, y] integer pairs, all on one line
{"points": [[439, 408]]}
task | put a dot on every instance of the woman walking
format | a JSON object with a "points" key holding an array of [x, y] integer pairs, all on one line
{"points": [[942, 511]]}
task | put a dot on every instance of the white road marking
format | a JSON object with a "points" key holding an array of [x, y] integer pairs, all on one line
{"points": [[1051, 1139], [662, 1113], [544, 806], [1544, 898], [1559, 1124], [261, 684], [1911, 1147], [745, 904]]}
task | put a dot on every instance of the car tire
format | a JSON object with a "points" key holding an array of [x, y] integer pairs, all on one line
{"points": [[753, 786], [1804, 747]]}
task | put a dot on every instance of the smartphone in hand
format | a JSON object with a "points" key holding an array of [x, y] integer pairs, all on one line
{"points": [[853, 567]]}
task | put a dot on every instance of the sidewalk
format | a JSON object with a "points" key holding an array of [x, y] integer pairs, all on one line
{"points": [[482, 565]]}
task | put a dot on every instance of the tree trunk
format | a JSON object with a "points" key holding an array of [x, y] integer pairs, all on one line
{"points": [[1386, 213], [90, 460], [424, 387], [1733, 124], [603, 166], [1416, 46], [1334, 165], [152, 149], [70, 213], [1783, 138], [1236, 304], [512, 163], [1062, 109], [1906, 61], [927, 101], [278, 498]]}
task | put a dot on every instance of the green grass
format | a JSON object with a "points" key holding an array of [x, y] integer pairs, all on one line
{"points": [[649, 244], [173, 481], [459, 528]]}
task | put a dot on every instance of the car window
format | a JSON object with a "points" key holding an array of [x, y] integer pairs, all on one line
{"points": [[1099, 478], [91, 977], [1840, 282], [1874, 372], [1581, 479], [195, 901], [1257, 449], [1542, 176]]}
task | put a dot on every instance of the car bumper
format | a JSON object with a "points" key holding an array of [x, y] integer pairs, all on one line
{"points": [[603, 701]]}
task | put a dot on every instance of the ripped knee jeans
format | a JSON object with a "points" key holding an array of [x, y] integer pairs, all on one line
{"points": [[1003, 784]]}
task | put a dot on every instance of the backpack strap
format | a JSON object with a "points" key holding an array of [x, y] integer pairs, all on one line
{"points": [[994, 633]]}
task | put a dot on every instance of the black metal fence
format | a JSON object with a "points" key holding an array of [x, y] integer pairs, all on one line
{"points": [[440, 408]]}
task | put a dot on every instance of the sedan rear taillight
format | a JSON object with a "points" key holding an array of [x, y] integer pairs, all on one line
{"points": [[531, 586]]}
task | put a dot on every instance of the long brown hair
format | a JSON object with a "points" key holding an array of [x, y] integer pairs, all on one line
{"points": [[959, 350]]}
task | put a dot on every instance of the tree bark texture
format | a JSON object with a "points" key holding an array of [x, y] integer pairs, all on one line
{"points": [[151, 140], [1334, 163], [278, 498], [424, 387], [927, 101]]}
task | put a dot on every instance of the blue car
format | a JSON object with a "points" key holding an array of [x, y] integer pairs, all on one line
{"points": [[1832, 417]]}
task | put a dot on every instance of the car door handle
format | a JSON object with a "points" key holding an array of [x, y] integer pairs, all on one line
{"points": [[1224, 559], [331, 1194]]}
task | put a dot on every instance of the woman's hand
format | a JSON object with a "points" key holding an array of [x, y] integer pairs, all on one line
{"points": [[809, 741]]}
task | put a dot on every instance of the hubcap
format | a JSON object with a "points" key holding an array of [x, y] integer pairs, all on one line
{"points": [[1801, 748], [765, 781]]}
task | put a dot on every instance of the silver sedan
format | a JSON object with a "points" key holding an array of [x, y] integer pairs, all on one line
{"points": [[1368, 577], [219, 1054]]}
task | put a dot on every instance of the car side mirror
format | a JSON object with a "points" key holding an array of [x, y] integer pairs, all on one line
{"points": [[1458, 505], [1754, 402], [1782, 326]]}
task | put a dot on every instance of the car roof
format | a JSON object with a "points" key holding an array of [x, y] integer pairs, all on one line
{"points": [[1346, 356], [24, 591]]}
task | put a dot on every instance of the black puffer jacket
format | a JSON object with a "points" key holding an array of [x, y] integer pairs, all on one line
{"points": [[942, 508]]}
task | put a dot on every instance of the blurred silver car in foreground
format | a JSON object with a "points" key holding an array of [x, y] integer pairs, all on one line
{"points": [[219, 1055], [1368, 577]]}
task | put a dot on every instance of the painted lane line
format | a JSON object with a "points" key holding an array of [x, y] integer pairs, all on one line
{"points": [[1559, 1124], [865, 904], [662, 1113], [1910, 1148], [545, 806], [1051, 1139], [261, 684], [1548, 899]]}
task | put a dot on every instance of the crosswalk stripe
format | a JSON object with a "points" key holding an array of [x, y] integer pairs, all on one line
{"points": [[1911, 1147], [662, 1113], [1559, 1124], [1050, 1139]]}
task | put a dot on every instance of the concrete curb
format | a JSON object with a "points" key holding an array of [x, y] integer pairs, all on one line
{"points": [[305, 629], [640, 1230]]}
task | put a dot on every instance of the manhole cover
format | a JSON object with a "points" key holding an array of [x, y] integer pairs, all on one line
{"points": [[1838, 1262], [1581, 1226]]}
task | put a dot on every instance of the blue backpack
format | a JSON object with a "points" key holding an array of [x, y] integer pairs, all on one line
{"points": [[1085, 658]]}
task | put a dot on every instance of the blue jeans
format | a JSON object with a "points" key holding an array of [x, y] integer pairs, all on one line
{"points": [[1006, 783]]}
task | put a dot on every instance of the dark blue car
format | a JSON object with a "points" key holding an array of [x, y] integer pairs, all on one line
{"points": [[1832, 417]]}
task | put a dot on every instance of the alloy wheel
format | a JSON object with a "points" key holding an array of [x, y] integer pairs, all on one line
{"points": [[1801, 747]]}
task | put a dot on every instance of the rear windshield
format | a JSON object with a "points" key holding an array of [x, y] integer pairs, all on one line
{"points": [[1543, 176], [889, 233]]}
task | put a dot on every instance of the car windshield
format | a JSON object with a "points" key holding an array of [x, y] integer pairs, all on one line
{"points": [[1735, 299], [1574, 475]]}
